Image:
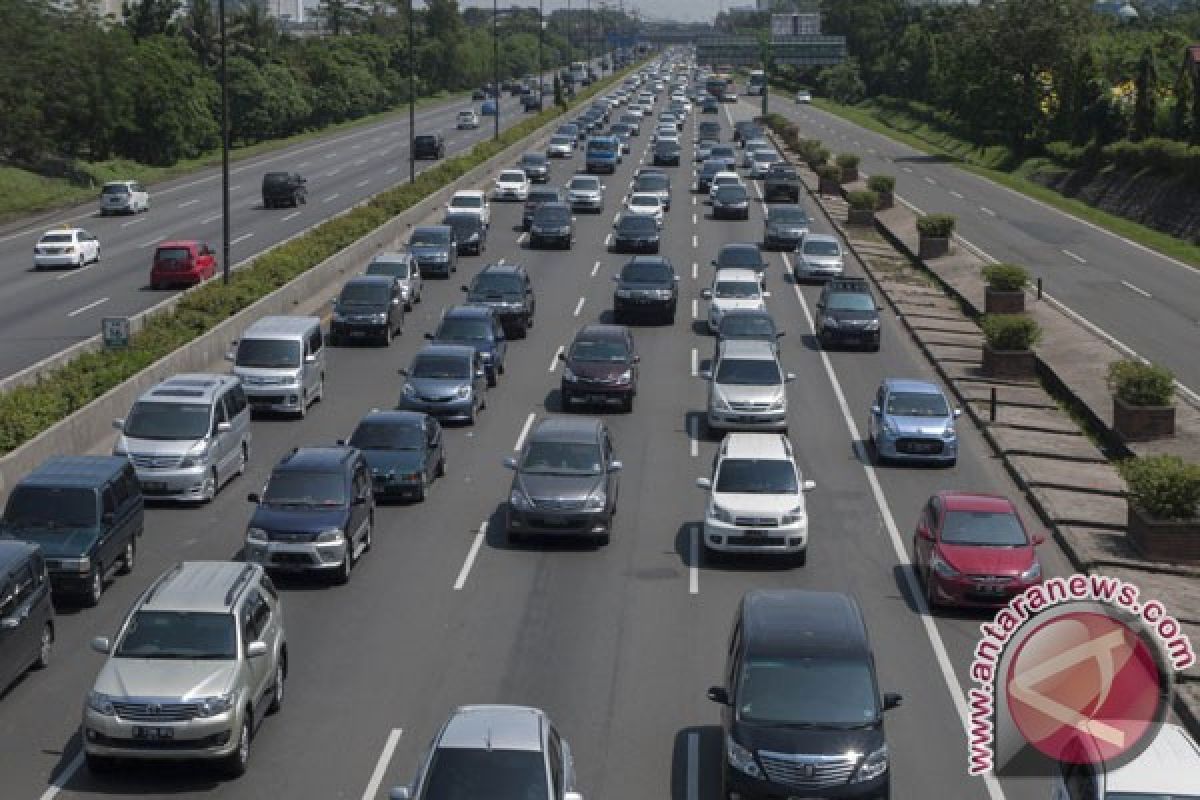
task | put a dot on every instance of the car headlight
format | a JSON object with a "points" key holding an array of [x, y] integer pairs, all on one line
{"points": [[942, 567], [379, 318], [463, 392], [474, 237], [625, 377], [949, 433], [211, 706], [794, 517], [196, 456], [741, 759], [889, 427], [1034, 572], [408, 391], [256, 535], [829, 322], [596, 501], [871, 325], [874, 765], [623, 293], [332, 536], [518, 500], [720, 514], [569, 376], [101, 704]]}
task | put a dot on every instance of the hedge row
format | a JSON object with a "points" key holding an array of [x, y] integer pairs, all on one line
{"points": [[1166, 156], [28, 410]]}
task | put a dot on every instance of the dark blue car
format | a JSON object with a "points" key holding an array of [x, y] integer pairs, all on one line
{"points": [[479, 327], [403, 450]]}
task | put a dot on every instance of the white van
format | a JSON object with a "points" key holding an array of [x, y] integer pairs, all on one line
{"points": [[281, 361]]}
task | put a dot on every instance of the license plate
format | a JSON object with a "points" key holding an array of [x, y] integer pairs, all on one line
{"points": [[154, 485], [756, 534], [153, 734]]}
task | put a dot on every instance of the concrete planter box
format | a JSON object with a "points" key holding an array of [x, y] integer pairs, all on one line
{"points": [[1014, 365], [933, 246], [886, 200], [996, 301], [1142, 423], [1172, 540], [849, 174], [860, 216]]}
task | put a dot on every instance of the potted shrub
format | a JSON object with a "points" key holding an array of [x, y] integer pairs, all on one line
{"points": [[1163, 501], [934, 231], [1005, 291], [863, 203], [830, 179], [848, 163], [813, 153], [1142, 394], [884, 186], [1008, 346]]}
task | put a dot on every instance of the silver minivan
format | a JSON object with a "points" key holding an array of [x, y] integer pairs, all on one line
{"points": [[404, 268], [281, 362], [187, 436], [747, 387]]}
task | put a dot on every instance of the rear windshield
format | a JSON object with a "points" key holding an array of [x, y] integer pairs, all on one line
{"points": [[467, 201], [170, 253], [380, 435], [397, 269], [116, 189], [277, 177], [425, 140], [268, 353], [601, 146], [585, 184], [553, 215], [441, 367], [48, 508], [426, 236], [638, 272], [652, 182], [62, 237], [474, 329], [503, 283], [746, 326], [512, 176], [736, 289]]}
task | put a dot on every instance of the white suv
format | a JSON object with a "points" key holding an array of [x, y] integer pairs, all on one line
{"points": [[733, 288], [756, 498], [471, 201], [123, 197]]}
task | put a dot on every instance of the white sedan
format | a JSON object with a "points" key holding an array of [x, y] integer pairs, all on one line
{"points": [[723, 178], [467, 120], [511, 184], [66, 247], [645, 204]]}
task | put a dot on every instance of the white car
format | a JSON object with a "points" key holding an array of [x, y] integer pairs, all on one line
{"points": [[723, 178], [819, 255], [467, 120], [667, 133], [763, 159], [756, 498], [733, 288], [750, 148], [66, 247], [511, 184], [645, 204], [804, 96], [123, 197], [560, 146], [471, 201]]}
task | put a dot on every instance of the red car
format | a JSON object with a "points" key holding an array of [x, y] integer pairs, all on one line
{"points": [[974, 550], [185, 262]]}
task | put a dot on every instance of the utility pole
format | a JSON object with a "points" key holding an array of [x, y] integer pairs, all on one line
{"points": [[496, 63], [412, 97], [766, 89], [588, 34], [224, 149]]}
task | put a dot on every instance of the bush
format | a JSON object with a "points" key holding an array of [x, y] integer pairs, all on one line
{"points": [[863, 200], [1011, 331], [882, 184], [936, 225], [847, 160], [1165, 487], [1006, 277], [811, 151], [1141, 384], [829, 172]]}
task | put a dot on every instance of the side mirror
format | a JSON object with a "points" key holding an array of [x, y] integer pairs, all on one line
{"points": [[706, 294], [615, 466], [256, 649], [119, 424], [400, 793], [718, 694], [957, 413], [428, 335], [311, 358], [766, 294], [1039, 539], [101, 644], [808, 485], [224, 427], [479, 373], [637, 359], [253, 498], [704, 483], [924, 532], [892, 700], [510, 463]]}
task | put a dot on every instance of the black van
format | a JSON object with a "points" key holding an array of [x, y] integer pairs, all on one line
{"points": [[85, 513], [801, 708], [429, 145], [26, 615], [284, 189]]}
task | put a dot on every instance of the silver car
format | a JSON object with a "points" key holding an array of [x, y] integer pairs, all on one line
{"points": [[819, 256], [586, 193], [404, 268], [281, 362], [446, 381], [747, 387]]}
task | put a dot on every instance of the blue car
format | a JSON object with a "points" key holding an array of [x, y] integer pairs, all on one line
{"points": [[913, 421], [603, 154], [478, 327], [403, 450], [488, 109]]}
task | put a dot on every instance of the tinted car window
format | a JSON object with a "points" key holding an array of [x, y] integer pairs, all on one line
{"points": [[165, 253], [748, 372], [746, 325], [397, 269], [553, 216], [167, 421], [642, 272], [602, 350], [179, 635], [47, 507], [476, 328], [821, 248], [849, 301], [463, 223], [430, 237], [916, 404], [736, 289], [268, 353], [651, 182], [440, 367], [561, 458], [584, 184], [365, 293], [793, 216], [294, 487], [982, 528], [637, 223], [500, 282], [752, 476], [731, 194], [379, 435], [812, 690], [459, 773]]}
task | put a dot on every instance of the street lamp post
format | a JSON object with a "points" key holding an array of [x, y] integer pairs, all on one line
{"points": [[496, 63], [224, 150], [412, 97], [541, 76], [766, 89]]}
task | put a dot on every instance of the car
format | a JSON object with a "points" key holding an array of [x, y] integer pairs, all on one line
{"points": [[471, 201], [561, 146], [911, 420], [27, 640], [666, 134], [649, 180], [709, 129], [646, 286], [403, 267], [1169, 766], [974, 550], [568, 129], [403, 450], [483, 751], [478, 327], [316, 513], [536, 167], [511, 184], [750, 323], [66, 247], [733, 288], [435, 249], [507, 290], [730, 202], [479, 94], [666, 153], [222, 624], [703, 150], [552, 224], [466, 120], [726, 152], [531, 102], [829, 741], [708, 171], [281, 363], [785, 226], [538, 195], [782, 180], [636, 233], [446, 381], [600, 366], [762, 162], [756, 498], [624, 133], [586, 193], [429, 146], [742, 255], [847, 314], [603, 154], [747, 387], [633, 119], [709, 105], [565, 482], [819, 256], [186, 262], [488, 108], [646, 204], [741, 127], [123, 197], [723, 178], [367, 307], [470, 234], [803, 96], [281, 189], [751, 147]]}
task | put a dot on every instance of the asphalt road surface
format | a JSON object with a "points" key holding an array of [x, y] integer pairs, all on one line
{"points": [[618, 644]]}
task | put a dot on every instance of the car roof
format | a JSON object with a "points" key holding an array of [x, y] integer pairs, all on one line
{"points": [[459, 312], [390, 417], [74, 471], [910, 385], [390, 256], [444, 229], [735, 274], [782, 207], [771, 446], [280, 327], [62, 230], [199, 586], [803, 623], [194, 387], [452, 350], [469, 193], [648, 259], [600, 330], [384, 281], [1169, 766], [189, 243], [567, 429], [502, 268], [316, 459], [557, 205], [747, 349], [494, 727], [976, 501], [822, 237], [512, 171]]}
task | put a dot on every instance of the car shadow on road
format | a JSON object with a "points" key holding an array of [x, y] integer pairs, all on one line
{"points": [[133, 778], [696, 762], [970, 615], [497, 538], [700, 327]]}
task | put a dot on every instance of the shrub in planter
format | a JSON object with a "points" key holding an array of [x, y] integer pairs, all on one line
{"points": [[1005, 285], [830, 179], [1008, 346], [1142, 395], [1164, 507], [884, 186], [863, 203], [934, 232], [848, 163]]}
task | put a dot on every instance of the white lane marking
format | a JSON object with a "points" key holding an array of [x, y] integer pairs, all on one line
{"points": [[362, 183], [356, 146], [907, 169], [292, 215], [695, 309], [987, 211], [616, 217], [693, 200], [330, 155], [1133, 288], [579, 305], [385, 758], [88, 307], [930, 181], [303, 164], [693, 437], [471, 555], [77, 271], [331, 198], [241, 238], [554, 359], [391, 170], [695, 362], [956, 194], [693, 766], [133, 222], [1078, 258], [523, 238], [608, 240], [235, 188], [693, 219], [524, 431], [63, 778], [333, 172], [695, 270], [147, 244], [595, 268], [695, 240], [871, 150], [187, 203], [693, 588], [211, 219]]}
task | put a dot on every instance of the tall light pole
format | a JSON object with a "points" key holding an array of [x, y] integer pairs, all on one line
{"points": [[412, 96], [496, 63], [588, 34], [224, 150], [541, 75]]}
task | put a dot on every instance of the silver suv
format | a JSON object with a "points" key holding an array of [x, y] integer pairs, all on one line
{"points": [[747, 388], [196, 665]]}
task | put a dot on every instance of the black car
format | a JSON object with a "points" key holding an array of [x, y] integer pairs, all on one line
{"points": [[666, 154], [508, 291], [429, 145], [847, 314], [731, 202], [782, 180], [403, 450], [709, 129], [281, 189], [708, 171], [551, 224], [741, 255], [569, 129], [369, 306], [531, 101], [800, 703], [538, 195], [27, 637], [479, 94], [435, 247], [470, 233], [785, 226], [599, 367], [710, 105], [636, 233], [647, 285], [536, 167]]}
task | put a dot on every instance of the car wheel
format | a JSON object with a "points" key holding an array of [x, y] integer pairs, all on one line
{"points": [[602, 539], [236, 762], [99, 765], [128, 557], [369, 536], [491, 378], [45, 647], [277, 687], [441, 467], [82, 261], [95, 586]]}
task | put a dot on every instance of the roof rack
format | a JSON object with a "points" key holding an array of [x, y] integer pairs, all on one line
{"points": [[848, 282]]}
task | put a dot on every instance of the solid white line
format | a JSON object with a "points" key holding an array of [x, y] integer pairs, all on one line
{"points": [[363, 183], [331, 155], [207, 220], [694, 588], [695, 270], [235, 188], [693, 219], [695, 363], [1078, 258], [471, 555], [695, 309], [331, 198], [608, 240], [241, 238], [956, 194], [1133, 288], [616, 217], [554, 359], [523, 238], [693, 766], [385, 758], [133, 222], [187, 203], [292, 215], [987, 211], [579, 305], [82, 309], [524, 431], [595, 268], [63, 778], [695, 241]]}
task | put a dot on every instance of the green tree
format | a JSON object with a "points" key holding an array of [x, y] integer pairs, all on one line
{"points": [[843, 83], [200, 29], [1145, 86], [145, 18], [339, 16]]}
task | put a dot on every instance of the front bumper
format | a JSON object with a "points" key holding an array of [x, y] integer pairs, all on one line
{"points": [[297, 557], [587, 204], [747, 420], [201, 738], [430, 267], [455, 409], [849, 337], [183, 484], [358, 330], [922, 448], [971, 592], [740, 786], [816, 272], [644, 305], [731, 212], [579, 522], [275, 397], [728, 538], [588, 393]]}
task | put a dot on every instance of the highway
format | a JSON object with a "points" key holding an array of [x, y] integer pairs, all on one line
{"points": [[1147, 301], [618, 644]]}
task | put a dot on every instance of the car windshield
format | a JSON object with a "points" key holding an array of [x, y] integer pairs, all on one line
{"points": [[807, 692], [917, 404], [849, 301], [380, 435], [602, 350], [168, 421], [465, 201], [561, 458], [294, 487], [601, 146], [421, 141], [268, 353], [722, 151], [736, 289], [983, 529], [747, 326], [585, 184], [56, 238], [397, 268], [756, 476], [117, 189], [558, 215], [447, 367], [637, 223], [731, 194], [644, 200], [539, 196], [461, 329], [652, 182], [821, 247], [646, 272], [184, 635], [533, 160], [511, 176], [560, 140], [498, 283], [788, 216], [666, 146], [49, 507], [461, 773], [365, 294], [428, 237], [768, 157], [748, 372]]}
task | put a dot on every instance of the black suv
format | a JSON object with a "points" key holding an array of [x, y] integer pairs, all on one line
{"points": [[801, 707], [847, 314], [551, 224], [469, 232], [709, 129], [636, 233], [27, 636], [666, 154], [507, 290], [782, 180], [646, 285], [369, 306], [429, 145], [538, 195], [742, 255], [281, 189]]}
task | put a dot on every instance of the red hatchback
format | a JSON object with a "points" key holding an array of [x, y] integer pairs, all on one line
{"points": [[974, 550], [185, 262]]}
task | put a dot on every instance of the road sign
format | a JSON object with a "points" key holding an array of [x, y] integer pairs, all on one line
{"points": [[115, 331]]}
